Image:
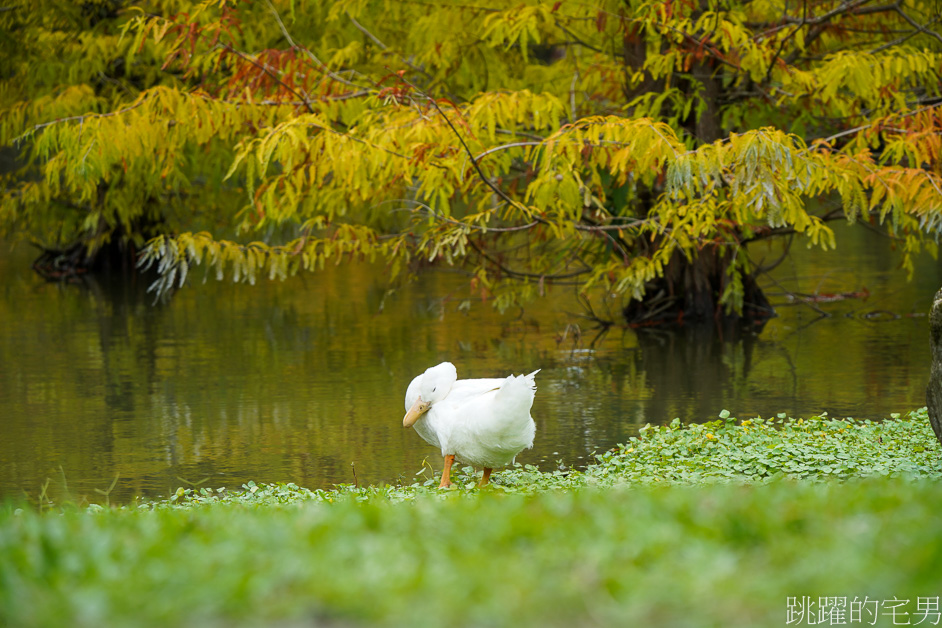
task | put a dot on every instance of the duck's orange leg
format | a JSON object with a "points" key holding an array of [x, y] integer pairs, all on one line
{"points": [[486, 477], [446, 472]]}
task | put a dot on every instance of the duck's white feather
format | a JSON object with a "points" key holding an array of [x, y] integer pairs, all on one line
{"points": [[482, 422]]}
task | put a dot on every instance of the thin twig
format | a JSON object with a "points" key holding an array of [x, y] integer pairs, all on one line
{"points": [[915, 24], [858, 129], [896, 42], [274, 75], [86, 116], [385, 48], [505, 147], [467, 151], [366, 32], [431, 212], [321, 65], [525, 275]]}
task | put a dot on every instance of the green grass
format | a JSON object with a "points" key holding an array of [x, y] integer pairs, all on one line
{"points": [[701, 525]]}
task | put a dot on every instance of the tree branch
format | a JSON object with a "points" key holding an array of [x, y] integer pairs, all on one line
{"points": [[858, 129], [525, 275], [819, 23], [919, 27], [431, 212], [505, 147], [468, 152], [264, 68], [84, 117], [320, 64]]}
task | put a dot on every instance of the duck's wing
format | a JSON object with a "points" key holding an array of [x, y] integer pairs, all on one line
{"points": [[464, 388], [492, 405], [492, 423], [515, 397], [480, 385], [475, 393], [467, 390]]}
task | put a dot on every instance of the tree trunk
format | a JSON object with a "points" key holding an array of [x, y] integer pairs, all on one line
{"points": [[934, 389], [689, 292], [706, 127]]}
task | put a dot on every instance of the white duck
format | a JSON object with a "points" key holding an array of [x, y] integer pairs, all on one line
{"points": [[481, 422]]}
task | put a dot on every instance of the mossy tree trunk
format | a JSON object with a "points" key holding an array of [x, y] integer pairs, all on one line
{"points": [[690, 291], [934, 389]]}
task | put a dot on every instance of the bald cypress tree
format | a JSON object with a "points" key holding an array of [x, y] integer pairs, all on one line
{"points": [[633, 149]]}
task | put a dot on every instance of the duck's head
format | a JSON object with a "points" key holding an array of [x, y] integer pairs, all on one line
{"points": [[428, 388]]}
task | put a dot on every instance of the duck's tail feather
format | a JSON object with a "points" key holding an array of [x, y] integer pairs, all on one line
{"points": [[516, 393], [531, 378]]}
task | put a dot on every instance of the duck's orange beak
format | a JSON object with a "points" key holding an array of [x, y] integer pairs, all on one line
{"points": [[417, 410]]}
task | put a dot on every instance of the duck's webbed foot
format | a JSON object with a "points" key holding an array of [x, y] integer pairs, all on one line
{"points": [[486, 478]]}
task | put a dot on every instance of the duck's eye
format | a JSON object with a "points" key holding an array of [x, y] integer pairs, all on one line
{"points": [[433, 388]]}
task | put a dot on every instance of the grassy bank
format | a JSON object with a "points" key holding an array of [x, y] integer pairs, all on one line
{"points": [[705, 525]]}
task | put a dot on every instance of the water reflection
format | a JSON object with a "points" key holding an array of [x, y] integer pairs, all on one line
{"points": [[304, 380]]}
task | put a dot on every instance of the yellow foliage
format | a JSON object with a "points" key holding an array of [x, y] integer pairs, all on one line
{"points": [[529, 142]]}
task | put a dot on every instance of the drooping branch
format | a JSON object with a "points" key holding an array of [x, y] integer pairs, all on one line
{"points": [[271, 74], [477, 167], [82, 118], [310, 55], [527, 275], [916, 25]]}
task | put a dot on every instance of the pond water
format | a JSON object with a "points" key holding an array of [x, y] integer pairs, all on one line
{"points": [[303, 381]]}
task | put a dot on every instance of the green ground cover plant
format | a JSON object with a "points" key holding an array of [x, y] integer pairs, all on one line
{"points": [[727, 523]]}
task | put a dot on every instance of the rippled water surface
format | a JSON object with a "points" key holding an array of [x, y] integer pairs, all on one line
{"points": [[304, 380]]}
